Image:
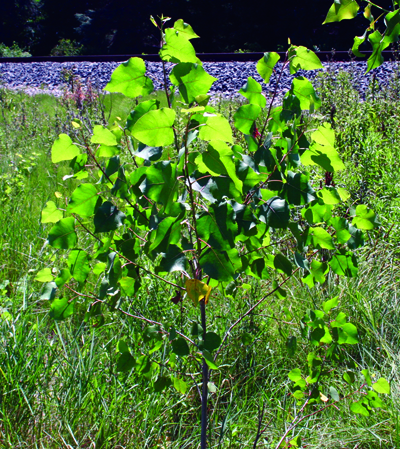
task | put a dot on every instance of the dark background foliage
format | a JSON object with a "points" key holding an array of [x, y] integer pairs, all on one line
{"points": [[123, 26]]}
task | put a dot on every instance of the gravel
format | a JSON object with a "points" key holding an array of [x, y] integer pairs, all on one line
{"points": [[39, 77]]}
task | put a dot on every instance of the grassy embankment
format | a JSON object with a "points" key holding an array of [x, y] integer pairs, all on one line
{"points": [[58, 382]]}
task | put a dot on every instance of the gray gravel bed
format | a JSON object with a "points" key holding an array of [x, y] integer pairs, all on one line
{"points": [[39, 77]]}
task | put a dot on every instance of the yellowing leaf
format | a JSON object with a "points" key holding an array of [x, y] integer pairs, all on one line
{"points": [[197, 290], [323, 397]]}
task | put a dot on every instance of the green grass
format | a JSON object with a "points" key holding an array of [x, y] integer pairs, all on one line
{"points": [[59, 387]]}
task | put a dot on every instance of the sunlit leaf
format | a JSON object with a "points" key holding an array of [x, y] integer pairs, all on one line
{"points": [[129, 79], [63, 149], [185, 29], [253, 92], [155, 127], [84, 200], [51, 214], [301, 58], [177, 47], [381, 386], [192, 80], [266, 64], [365, 218], [103, 136], [44, 275], [342, 9], [245, 117], [216, 128]]}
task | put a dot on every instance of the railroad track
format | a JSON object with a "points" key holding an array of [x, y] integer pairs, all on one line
{"points": [[333, 56]]}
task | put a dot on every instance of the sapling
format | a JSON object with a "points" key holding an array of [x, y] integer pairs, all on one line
{"points": [[171, 195]]}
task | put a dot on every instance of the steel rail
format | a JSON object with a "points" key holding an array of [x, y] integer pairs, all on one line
{"points": [[335, 56]]}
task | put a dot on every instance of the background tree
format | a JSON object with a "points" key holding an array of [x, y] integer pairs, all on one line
{"points": [[123, 26], [20, 22]]}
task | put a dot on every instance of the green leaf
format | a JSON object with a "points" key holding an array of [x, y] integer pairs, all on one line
{"points": [[245, 117], [217, 265], [44, 275], [381, 386], [103, 136], [367, 377], [334, 394], [275, 213], [108, 218], [297, 190], [192, 80], [129, 286], [349, 377], [84, 200], [301, 58], [351, 333], [374, 400], [218, 159], [291, 345], [330, 304], [180, 347], [392, 21], [177, 48], [342, 9], [246, 338], [266, 64], [61, 309], [78, 264], [129, 79], [161, 236], [378, 45], [360, 408], [49, 291], [63, 149], [185, 29], [209, 359], [212, 341], [141, 109], [216, 128], [159, 184], [253, 92], [358, 40], [173, 260], [304, 91], [322, 238], [63, 235], [122, 347], [161, 383], [317, 273], [344, 263], [322, 151], [180, 385], [295, 375], [281, 263], [152, 332], [148, 154], [196, 329], [63, 277], [295, 442], [125, 362], [329, 195], [155, 127], [50, 214], [365, 218]]}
